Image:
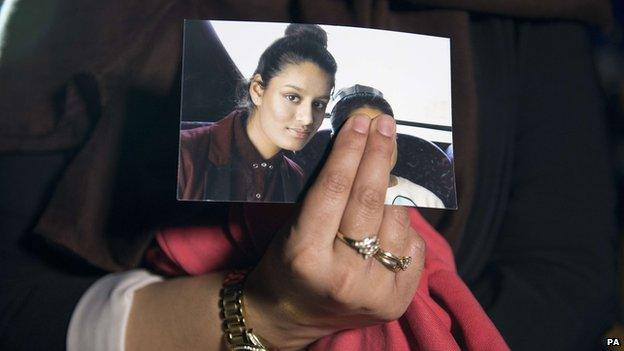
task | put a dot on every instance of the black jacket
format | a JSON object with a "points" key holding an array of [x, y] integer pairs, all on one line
{"points": [[534, 235]]}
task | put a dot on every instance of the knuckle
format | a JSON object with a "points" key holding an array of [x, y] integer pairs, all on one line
{"points": [[300, 261], [335, 184], [381, 149], [370, 199], [399, 216], [341, 290], [418, 243], [301, 265], [399, 309], [388, 312], [351, 143], [416, 249]]}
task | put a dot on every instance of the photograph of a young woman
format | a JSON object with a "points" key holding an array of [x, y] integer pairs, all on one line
{"points": [[364, 100], [240, 157]]}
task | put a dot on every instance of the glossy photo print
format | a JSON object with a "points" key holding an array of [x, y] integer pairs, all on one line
{"points": [[262, 101]]}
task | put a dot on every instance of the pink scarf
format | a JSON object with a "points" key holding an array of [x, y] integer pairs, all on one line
{"points": [[443, 315]]}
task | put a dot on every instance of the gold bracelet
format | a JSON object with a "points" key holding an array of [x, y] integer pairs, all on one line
{"points": [[237, 336]]}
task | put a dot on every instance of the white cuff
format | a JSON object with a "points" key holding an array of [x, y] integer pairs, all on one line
{"points": [[99, 321]]}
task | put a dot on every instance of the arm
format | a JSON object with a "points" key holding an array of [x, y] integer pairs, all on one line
{"points": [[308, 284], [177, 314]]}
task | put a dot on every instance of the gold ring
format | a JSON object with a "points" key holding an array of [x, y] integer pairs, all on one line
{"points": [[393, 262], [367, 246]]}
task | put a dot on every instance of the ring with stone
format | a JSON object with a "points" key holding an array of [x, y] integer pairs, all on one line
{"points": [[367, 247]]}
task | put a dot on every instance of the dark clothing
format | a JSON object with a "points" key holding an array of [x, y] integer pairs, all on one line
{"points": [[219, 163], [534, 235]]}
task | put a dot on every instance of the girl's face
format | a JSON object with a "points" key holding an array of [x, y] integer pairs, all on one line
{"points": [[372, 113], [291, 108]]}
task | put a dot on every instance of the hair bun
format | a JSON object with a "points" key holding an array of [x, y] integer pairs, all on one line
{"points": [[311, 32]]}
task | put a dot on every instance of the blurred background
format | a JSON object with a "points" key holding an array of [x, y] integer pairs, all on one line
{"points": [[609, 57]]}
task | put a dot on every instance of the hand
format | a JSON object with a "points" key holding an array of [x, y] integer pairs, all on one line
{"points": [[309, 283]]}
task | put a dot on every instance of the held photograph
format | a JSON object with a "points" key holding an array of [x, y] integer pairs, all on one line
{"points": [[263, 101]]}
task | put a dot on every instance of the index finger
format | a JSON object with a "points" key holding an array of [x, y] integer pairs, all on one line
{"points": [[327, 198]]}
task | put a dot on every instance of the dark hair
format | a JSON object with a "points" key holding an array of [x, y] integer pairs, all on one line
{"points": [[300, 43], [353, 101]]}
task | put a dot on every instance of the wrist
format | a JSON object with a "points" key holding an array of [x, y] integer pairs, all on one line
{"points": [[279, 322]]}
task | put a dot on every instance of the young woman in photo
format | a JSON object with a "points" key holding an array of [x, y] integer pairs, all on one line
{"points": [[240, 158]]}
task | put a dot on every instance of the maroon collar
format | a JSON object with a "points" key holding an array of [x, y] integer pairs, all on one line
{"points": [[229, 137]]}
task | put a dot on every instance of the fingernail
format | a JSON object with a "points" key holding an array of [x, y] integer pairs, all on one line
{"points": [[361, 124], [385, 125]]}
